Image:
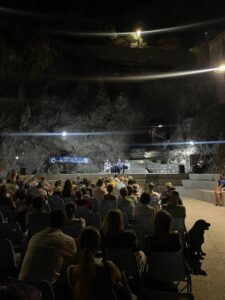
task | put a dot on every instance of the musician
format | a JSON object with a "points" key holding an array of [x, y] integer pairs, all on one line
{"points": [[107, 166]]}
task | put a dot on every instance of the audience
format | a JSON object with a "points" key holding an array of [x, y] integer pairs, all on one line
{"points": [[50, 250]]}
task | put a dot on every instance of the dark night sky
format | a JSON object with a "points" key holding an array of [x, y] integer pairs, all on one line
{"points": [[123, 15]]}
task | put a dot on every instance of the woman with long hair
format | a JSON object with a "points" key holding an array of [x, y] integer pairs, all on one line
{"points": [[113, 233], [88, 276], [68, 189]]}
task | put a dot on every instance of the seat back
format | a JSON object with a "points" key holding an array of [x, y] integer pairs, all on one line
{"points": [[72, 230], [127, 210], [7, 254], [159, 295], [141, 232], [11, 231], [146, 221], [7, 213], [56, 202], [2, 220], [94, 220], [167, 266], [33, 229], [125, 260], [108, 294], [178, 223], [46, 289]]}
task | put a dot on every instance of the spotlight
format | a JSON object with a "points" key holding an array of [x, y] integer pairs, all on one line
{"points": [[220, 69], [64, 133], [138, 32], [191, 143], [160, 126], [17, 157]]}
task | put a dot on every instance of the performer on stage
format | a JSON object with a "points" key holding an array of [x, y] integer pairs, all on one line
{"points": [[219, 189], [107, 166]]}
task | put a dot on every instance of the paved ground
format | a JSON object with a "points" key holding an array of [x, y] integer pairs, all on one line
{"points": [[212, 286]]}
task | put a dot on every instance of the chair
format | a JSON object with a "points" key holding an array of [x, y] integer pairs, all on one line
{"points": [[170, 266], [158, 295], [46, 289], [2, 220], [8, 261], [178, 223], [56, 202], [146, 221], [125, 260], [94, 220], [128, 210], [82, 211], [108, 294], [7, 213], [33, 229], [141, 232], [12, 231], [72, 230]]}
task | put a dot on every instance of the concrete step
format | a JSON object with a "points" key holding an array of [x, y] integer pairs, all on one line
{"points": [[200, 184], [201, 194], [210, 177]]}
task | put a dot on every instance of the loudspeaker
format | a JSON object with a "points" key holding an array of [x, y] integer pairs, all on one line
{"points": [[23, 171], [181, 169]]}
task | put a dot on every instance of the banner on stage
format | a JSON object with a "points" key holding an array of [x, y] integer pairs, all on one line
{"points": [[69, 159]]}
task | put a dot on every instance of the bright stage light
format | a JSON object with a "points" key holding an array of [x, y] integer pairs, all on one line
{"points": [[138, 32], [64, 133], [220, 69], [191, 143], [160, 126], [17, 157]]}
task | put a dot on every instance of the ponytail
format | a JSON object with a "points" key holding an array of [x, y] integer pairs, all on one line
{"points": [[86, 274]]}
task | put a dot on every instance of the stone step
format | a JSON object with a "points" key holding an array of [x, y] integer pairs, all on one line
{"points": [[210, 177], [200, 194], [200, 184]]}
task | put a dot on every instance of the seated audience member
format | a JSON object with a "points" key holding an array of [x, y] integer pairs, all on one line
{"points": [[109, 197], [165, 195], [219, 189], [176, 210], [67, 191], [6, 199], [86, 194], [100, 191], [123, 201], [136, 190], [113, 235], [89, 277], [154, 196], [36, 216], [70, 216], [163, 239], [144, 208], [87, 184], [58, 188], [130, 196], [80, 201], [47, 251], [119, 184]]}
